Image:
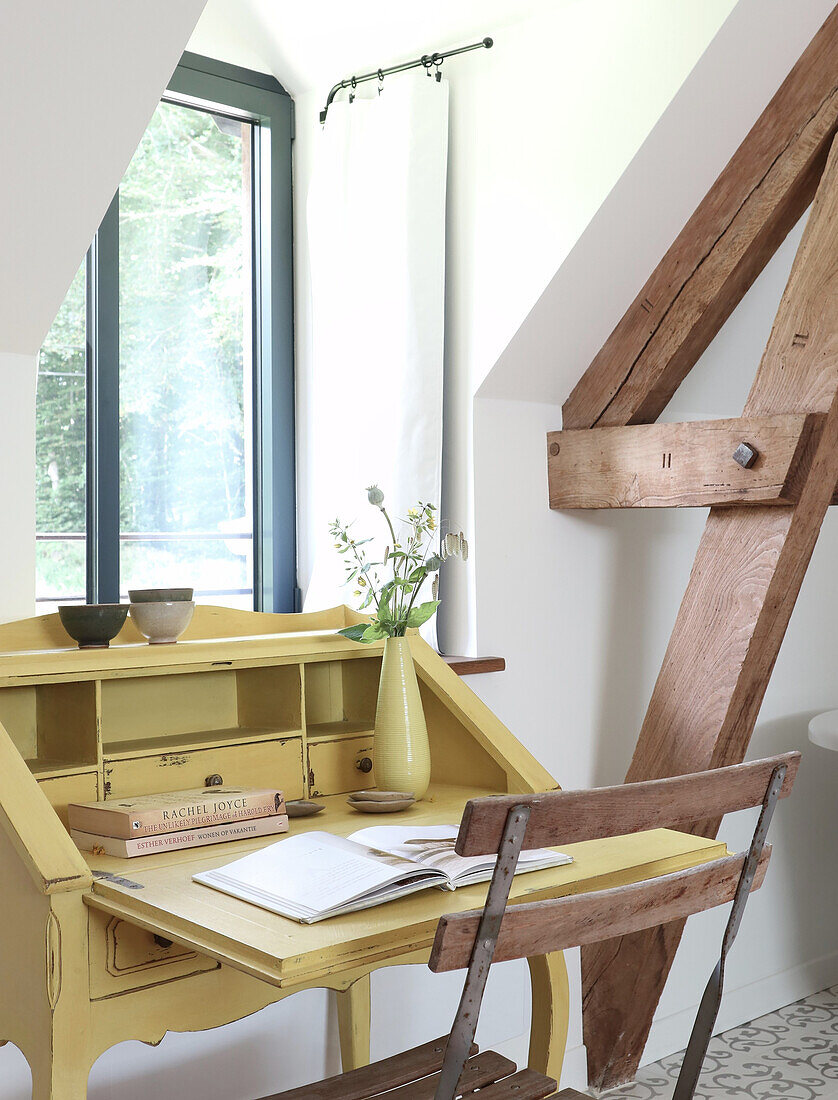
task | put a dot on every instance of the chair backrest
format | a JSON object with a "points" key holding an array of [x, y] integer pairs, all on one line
{"points": [[507, 824], [568, 817]]}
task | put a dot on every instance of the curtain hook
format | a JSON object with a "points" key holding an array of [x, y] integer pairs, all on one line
{"points": [[438, 74], [354, 84], [380, 81]]}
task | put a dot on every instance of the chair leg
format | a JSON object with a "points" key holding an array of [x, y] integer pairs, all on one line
{"points": [[354, 1024]]}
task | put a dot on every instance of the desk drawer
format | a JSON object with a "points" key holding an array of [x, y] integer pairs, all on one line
{"points": [[259, 764], [124, 957], [337, 766]]}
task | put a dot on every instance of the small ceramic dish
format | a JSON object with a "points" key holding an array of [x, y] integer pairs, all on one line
{"points": [[381, 802], [162, 622], [93, 625], [382, 796], [301, 807], [367, 806], [160, 595]]}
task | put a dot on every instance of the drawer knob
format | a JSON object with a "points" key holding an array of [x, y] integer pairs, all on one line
{"points": [[214, 781], [364, 764]]}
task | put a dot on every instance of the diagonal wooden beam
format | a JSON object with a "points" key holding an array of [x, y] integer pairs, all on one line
{"points": [[759, 196], [744, 583]]}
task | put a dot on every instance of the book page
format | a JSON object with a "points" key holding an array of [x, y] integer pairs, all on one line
{"points": [[312, 872], [433, 846]]}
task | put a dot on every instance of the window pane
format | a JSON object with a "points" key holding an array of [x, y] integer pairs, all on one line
{"points": [[185, 468], [60, 445]]}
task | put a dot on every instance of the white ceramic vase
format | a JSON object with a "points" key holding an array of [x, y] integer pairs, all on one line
{"points": [[402, 753]]}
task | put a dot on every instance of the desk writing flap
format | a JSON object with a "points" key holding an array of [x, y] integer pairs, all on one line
{"points": [[158, 893]]}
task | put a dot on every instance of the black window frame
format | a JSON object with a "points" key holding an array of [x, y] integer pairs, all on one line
{"points": [[260, 99]]}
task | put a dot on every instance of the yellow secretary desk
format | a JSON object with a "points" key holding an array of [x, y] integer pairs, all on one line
{"points": [[95, 950]]}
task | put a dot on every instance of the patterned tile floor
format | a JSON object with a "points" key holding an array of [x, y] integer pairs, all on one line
{"points": [[791, 1053]]}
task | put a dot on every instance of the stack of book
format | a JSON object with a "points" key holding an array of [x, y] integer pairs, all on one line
{"points": [[177, 819]]}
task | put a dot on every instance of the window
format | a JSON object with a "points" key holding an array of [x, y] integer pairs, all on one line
{"points": [[165, 450]]}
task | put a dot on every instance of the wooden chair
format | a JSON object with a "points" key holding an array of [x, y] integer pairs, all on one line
{"points": [[451, 1066]]}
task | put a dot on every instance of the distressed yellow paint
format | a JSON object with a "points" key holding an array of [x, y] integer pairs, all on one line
{"points": [[80, 966], [354, 1023]]}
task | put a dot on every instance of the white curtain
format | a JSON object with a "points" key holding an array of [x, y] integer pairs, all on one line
{"points": [[376, 226]]}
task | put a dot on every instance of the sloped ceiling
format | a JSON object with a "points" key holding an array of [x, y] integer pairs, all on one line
{"points": [[672, 171], [79, 81], [310, 46]]}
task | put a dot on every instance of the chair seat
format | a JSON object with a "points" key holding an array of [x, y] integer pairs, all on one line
{"points": [[414, 1075]]}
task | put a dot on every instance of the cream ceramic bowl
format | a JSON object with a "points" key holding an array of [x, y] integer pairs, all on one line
{"points": [[162, 622]]}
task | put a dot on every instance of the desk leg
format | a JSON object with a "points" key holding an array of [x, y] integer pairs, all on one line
{"points": [[55, 1041], [548, 1030], [55, 1078], [354, 1024]]}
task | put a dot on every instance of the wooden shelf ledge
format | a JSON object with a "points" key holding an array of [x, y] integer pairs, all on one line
{"points": [[472, 666], [128, 749]]}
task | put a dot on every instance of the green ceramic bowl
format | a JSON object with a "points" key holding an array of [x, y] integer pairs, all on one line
{"points": [[159, 595], [93, 625]]}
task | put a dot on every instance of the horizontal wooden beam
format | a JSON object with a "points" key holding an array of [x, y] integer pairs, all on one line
{"points": [[689, 465], [760, 194]]}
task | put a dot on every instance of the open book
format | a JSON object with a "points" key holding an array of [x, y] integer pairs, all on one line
{"points": [[316, 875]]}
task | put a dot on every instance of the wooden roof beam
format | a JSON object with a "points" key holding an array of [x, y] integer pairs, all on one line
{"points": [[744, 583], [762, 192]]}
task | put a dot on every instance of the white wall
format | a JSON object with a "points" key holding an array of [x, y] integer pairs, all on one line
{"points": [[78, 85], [542, 127]]}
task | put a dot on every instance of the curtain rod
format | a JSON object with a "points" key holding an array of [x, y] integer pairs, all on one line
{"points": [[426, 60]]}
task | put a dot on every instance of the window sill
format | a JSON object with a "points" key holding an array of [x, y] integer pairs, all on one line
{"points": [[472, 666]]}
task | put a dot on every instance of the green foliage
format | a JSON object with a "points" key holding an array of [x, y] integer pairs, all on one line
{"points": [[184, 324], [422, 613], [356, 633], [410, 559], [182, 432], [60, 418]]}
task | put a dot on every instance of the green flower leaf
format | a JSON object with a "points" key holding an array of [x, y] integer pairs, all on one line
{"points": [[354, 633], [384, 614], [422, 613], [374, 632]]}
